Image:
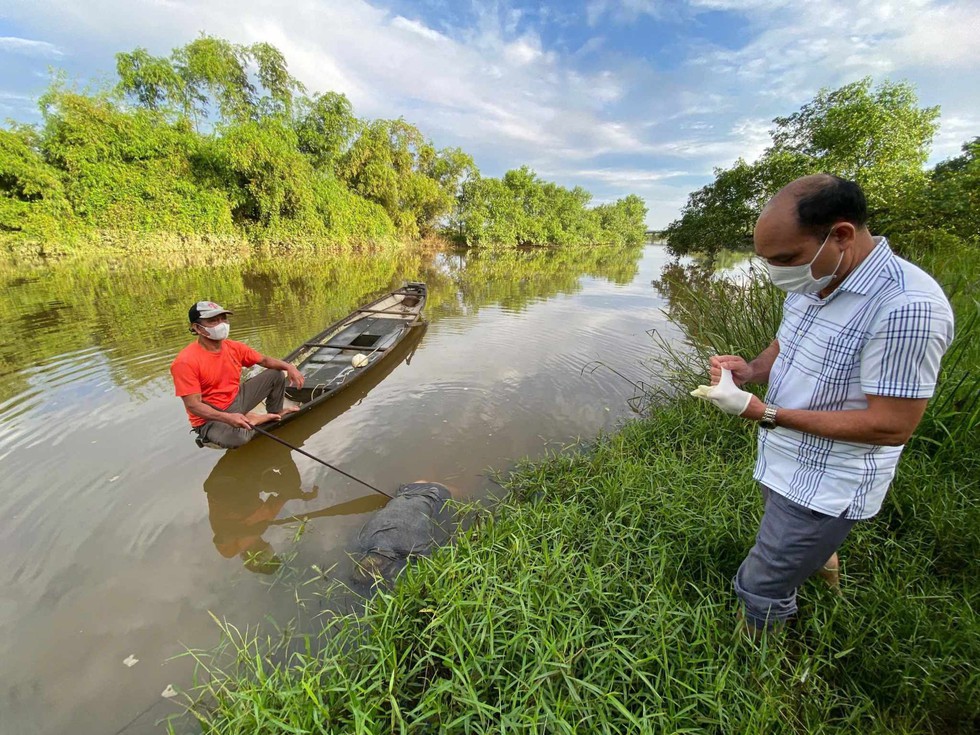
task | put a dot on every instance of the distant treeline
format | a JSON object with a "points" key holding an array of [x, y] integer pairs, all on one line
{"points": [[219, 139]]}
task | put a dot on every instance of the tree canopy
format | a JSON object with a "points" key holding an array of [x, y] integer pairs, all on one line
{"points": [[220, 138], [878, 137]]}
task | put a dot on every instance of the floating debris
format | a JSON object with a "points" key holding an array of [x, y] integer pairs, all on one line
{"points": [[131, 660], [113, 479], [169, 692]]}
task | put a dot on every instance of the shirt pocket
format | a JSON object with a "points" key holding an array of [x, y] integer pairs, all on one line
{"points": [[842, 350], [838, 366]]}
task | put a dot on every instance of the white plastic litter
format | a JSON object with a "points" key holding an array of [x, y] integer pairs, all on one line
{"points": [[726, 395], [169, 692], [131, 660]]}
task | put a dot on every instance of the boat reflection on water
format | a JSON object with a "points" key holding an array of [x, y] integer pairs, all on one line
{"points": [[249, 486]]}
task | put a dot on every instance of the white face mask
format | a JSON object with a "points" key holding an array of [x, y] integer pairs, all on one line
{"points": [[218, 332], [799, 278]]}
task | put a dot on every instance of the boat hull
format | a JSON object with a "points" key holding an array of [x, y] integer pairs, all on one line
{"points": [[352, 347]]}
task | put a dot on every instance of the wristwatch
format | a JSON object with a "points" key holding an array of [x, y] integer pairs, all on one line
{"points": [[768, 420]]}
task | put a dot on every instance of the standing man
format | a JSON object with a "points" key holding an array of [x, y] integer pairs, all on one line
{"points": [[207, 376], [852, 367]]}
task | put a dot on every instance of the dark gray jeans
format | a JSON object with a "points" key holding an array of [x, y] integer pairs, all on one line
{"points": [[793, 542], [269, 385]]}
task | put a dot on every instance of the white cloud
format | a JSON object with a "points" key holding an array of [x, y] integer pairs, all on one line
{"points": [[954, 131], [623, 11], [745, 138], [800, 46], [523, 51], [29, 47], [415, 27], [738, 5], [944, 36], [619, 177]]}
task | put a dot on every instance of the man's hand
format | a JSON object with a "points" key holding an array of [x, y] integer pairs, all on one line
{"points": [[754, 410], [296, 378], [741, 371], [725, 395], [238, 420]]}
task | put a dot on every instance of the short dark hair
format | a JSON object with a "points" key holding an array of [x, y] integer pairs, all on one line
{"points": [[831, 199]]}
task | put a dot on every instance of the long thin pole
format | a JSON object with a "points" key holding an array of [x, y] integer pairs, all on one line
{"points": [[307, 454]]}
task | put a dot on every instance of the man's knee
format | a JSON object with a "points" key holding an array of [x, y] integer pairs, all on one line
{"points": [[237, 438], [227, 436]]}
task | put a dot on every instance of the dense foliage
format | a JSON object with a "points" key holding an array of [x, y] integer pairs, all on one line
{"points": [[219, 139], [878, 137]]}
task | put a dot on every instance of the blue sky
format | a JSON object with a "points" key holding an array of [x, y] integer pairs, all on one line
{"points": [[618, 96]]}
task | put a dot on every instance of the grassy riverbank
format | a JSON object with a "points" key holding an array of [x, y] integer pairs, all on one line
{"points": [[597, 597], [598, 600]]}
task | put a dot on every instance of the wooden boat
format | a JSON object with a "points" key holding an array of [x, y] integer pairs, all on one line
{"points": [[344, 352]]}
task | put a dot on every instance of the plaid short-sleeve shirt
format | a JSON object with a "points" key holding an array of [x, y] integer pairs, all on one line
{"points": [[883, 332]]}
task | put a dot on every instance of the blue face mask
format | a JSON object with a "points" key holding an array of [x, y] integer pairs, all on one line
{"points": [[799, 278]]}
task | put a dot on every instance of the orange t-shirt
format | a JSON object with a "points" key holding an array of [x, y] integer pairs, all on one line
{"points": [[215, 375]]}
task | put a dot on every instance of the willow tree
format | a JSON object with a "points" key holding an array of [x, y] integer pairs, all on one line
{"points": [[393, 164], [210, 77], [325, 128]]}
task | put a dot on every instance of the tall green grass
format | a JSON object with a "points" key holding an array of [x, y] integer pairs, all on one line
{"points": [[597, 599]]}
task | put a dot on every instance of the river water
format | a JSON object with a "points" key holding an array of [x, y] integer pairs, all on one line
{"points": [[120, 538]]}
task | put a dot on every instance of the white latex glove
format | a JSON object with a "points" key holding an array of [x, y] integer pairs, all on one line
{"points": [[726, 395]]}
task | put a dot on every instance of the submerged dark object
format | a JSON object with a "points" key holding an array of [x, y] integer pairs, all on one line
{"points": [[410, 525]]}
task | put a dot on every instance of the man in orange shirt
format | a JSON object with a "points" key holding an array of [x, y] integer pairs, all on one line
{"points": [[207, 376]]}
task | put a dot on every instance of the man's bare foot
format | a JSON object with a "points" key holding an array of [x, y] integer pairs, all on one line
{"points": [[257, 419], [830, 573], [288, 409]]}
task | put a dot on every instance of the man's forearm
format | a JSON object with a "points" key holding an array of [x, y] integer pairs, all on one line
{"points": [[859, 425], [762, 365], [208, 412], [274, 363]]}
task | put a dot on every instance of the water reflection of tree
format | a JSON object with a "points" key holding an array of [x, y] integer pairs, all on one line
{"points": [[515, 278], [134, 312], [137, 311], [725, 259]]}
